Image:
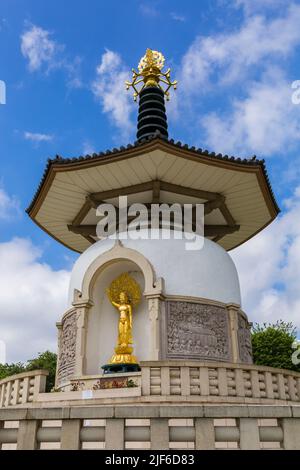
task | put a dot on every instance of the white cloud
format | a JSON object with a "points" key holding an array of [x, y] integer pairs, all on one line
{"points": [[247, 64], [177, 17], [9, 206], [149, 9], [228, 58], [33, 297], [3, 24], [72, 68], [109, 89], [88, 148], [38, 48], [43, 52], [37, 137], [269, 268], [251, 6], [264, 122]]}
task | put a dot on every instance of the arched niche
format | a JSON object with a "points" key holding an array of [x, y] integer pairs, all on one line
{"points": [[117, 254], [101, 318]]}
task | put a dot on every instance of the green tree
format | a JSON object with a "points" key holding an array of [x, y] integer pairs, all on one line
{"points": [[11, 369], [45, 360], [272, 345]]}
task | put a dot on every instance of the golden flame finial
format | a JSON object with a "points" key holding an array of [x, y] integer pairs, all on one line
{"points": [[150, 74]]}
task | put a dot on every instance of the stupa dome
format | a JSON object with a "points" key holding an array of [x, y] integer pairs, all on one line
{"points": [[208, 273]]}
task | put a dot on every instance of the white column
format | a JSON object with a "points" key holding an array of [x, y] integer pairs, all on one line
{"points": [[154, 309]]}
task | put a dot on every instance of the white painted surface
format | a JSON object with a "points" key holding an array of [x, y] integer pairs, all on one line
{"points": [[208, 273]]}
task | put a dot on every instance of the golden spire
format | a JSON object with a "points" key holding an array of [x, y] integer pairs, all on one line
{"points": [[150, 72]]}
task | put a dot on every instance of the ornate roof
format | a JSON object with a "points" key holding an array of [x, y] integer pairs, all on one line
{"points": [[59, 160]]}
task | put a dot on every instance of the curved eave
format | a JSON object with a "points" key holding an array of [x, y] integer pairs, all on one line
{"points": [[60, 165]]}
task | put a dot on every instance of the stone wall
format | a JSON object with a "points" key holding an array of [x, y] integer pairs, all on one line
{"points": [[157, 427]]}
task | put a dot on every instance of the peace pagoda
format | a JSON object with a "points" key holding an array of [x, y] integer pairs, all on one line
{"points": [[154, 350]]}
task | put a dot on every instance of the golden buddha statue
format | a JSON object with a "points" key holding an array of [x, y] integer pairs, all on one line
{"points": [[124, 294]]}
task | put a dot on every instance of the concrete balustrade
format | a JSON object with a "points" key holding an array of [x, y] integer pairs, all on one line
{"points": [[22, 388], [163, 426], [219, 381], [175, 381], [176, 404]]}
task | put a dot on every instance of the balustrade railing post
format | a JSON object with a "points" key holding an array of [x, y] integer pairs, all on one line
{"points": [[165, 381], [7, 394], [114, 434], [25, 390], [39, 385], [27, 434], [185, 381], [159, 432], [2, 389], [204, 381], [222, 381], [255, 384], [291, 433], [298, 388], [292, 388], [145, 379], [15, 392], [281, 387], [70, 434], [249, 434], [239, 382], [269, 385], [204, 434]]}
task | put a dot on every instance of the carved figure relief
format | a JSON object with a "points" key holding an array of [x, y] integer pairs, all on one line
{"points": [[244, 338], [197, 331], [67, 350]]}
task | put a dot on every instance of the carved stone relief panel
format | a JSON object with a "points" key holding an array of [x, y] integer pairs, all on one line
{"points": [[196, 331], [67, 347], [244, 339]]}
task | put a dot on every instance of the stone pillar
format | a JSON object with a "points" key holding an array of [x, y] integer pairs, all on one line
{"points": [[159, 431], [114, 434], [249, 434], [82, 309], [204, 434], [70, 434], [39, 385], [154, 308], [27, 434], [291, 433], [233, 325]]}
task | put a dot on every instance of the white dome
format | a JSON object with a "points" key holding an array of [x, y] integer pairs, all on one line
{"points": [[206, 273]]}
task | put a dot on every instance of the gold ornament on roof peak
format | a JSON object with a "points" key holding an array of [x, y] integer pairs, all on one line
{"points": [[150, 74]]}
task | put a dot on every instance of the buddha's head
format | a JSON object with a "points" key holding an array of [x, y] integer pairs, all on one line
{"points": [[123, 298]]}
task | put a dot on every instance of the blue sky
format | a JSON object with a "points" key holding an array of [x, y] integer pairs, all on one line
{"points": [[64, 64]]}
